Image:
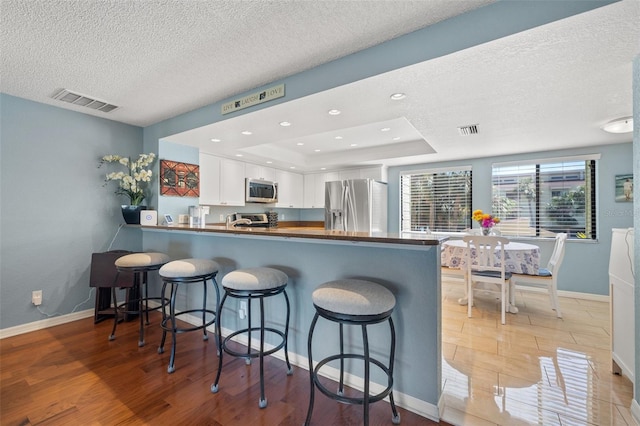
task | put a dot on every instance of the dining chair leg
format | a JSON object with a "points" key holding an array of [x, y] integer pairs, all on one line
{"points": [[503, 302]]}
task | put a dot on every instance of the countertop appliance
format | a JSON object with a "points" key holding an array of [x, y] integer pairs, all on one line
{"points": [[257, 219], [261, 191], [356, 205]]}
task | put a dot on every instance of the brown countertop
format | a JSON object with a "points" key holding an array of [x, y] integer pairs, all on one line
{"points": [[312, 232]]}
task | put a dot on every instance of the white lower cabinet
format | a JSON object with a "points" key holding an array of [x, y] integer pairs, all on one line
{"points": [[221, 181]]}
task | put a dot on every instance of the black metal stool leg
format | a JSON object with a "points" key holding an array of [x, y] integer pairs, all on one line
{"points": [[165, 318], [263, 401], [112, 336], [140, 310], [341, 380], [146, 296], [311, 370], [286, 336], [367, 372], [392, 353], [248, 359], [174, 325], [214, 386], [204, 311]]}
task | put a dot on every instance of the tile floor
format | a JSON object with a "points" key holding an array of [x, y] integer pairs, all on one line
{"points": [[536, 369]]}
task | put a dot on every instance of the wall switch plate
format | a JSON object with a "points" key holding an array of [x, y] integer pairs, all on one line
{"points": [[36, 297]]}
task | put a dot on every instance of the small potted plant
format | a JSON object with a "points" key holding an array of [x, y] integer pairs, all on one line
{"points": [[133, 182]]}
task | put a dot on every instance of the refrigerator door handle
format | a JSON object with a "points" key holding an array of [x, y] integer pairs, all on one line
{"points": [[345, 208]]}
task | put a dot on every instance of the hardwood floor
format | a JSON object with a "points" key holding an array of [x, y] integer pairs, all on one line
{"points": [[536, 369], [72, 375]]}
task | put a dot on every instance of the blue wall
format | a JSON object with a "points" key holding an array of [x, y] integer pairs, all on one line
{"points": [[588, 261], [54, 210]]}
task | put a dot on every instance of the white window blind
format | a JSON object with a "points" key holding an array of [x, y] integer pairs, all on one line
{"points": [[436, 200], [541, 199]]}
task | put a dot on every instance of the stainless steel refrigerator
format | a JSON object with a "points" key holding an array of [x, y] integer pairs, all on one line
{"points": [[356, 205]]}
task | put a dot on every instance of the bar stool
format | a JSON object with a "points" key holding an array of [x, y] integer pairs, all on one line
{"points": [[353, 302], [139, 264], [186, 271], [249, 284]]}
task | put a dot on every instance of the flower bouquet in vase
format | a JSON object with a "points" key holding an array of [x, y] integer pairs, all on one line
{"points": [[132, 183], [486, 221]]}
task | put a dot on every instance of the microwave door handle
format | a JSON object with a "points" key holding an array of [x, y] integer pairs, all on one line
{"points": [[275, 191]]}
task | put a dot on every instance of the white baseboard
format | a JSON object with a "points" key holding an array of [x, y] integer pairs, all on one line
{"points": [[45, 323], [635, 411]]}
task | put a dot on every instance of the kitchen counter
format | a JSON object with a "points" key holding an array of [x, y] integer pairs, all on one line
{"points": [[407, 264], [312, 232]]}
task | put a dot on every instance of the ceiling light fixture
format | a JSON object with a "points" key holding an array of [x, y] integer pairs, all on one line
{"points": [[238, 155], [334, 111], [300, 144], [397, 138], [354, 144], [246, 132], [316, 150], [285, 124], [338, 138], [398, 96], [216, 140], [619, 125], [385, 129], [269, 162], [292, 167]]}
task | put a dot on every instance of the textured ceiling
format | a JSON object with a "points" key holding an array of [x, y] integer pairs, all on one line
{"points": [[548, 88]]}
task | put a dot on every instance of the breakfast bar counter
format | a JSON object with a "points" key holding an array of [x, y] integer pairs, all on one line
{"points": [[407, 264]]}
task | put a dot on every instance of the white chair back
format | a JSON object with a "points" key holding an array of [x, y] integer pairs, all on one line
{"points": [[481, 253], [558, 254]]}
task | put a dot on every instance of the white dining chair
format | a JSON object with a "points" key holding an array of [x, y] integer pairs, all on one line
{"points": [[481, 267], [546, 278]]}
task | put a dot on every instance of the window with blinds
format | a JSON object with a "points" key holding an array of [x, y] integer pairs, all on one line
{"points": [[435, 200], [543, 198]]}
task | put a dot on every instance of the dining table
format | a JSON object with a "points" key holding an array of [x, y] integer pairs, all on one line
{"points": [[519, 258]]}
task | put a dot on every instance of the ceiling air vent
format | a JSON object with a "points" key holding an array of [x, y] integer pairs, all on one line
{"points": [[65, 95], [471, 129]]}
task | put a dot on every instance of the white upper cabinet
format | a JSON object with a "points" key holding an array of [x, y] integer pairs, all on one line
{"points": [[221, 181], [314, 188], [290, 189], [255, 171]]}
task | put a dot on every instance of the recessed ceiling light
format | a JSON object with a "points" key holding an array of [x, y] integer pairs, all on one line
{"points": [[246, 132], [216, 140], [269, 162], [334, 111], [300, 144], [397, 138], [292, 167], [398, 96], [354, 144], [316, 150], [238, 155], [323, 168], [385, 129], [285, 124], [620, 125], [338, 138]]}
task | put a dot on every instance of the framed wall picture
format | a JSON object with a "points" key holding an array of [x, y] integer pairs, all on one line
{"points": [[624, 188], [179, 179]]}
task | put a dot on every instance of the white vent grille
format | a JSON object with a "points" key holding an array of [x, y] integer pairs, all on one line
{"points": [[65, 95], [471, 129]]}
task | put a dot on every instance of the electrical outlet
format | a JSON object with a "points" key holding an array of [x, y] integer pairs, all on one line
{"points": [[282, 216], [36, 297], [242, 310], [221, 218]]}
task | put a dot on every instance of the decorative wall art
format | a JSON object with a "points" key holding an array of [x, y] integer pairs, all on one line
{"points": [[624, 188], [179, 179]]}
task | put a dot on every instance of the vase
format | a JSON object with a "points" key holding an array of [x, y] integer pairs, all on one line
{"points": [[486, 231], [131, 214]]}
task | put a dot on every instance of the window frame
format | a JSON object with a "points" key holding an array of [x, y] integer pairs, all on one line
{"points": [[434, 171], [590, 188]]}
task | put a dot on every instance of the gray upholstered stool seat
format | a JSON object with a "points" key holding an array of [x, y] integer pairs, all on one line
{"points": [[353, 302], [139, 264], [180, 272], [250, 284], [354, 297]]}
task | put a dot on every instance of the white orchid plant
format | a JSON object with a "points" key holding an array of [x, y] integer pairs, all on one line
{"points": [[135, 180]]}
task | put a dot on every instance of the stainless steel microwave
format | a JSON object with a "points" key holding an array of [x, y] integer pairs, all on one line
{"points": [[261, 191]]}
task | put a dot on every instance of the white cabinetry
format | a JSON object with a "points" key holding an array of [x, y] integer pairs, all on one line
{"points": [[290, 189], [314, 188], [622, 302], [221, 181], [256, 171]]}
